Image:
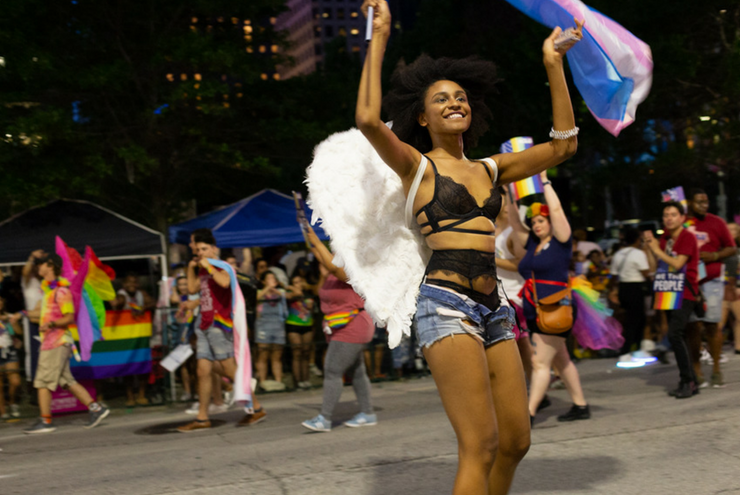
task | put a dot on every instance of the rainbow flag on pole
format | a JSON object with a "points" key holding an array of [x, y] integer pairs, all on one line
{"points": [[124, 349], [530, 185]]}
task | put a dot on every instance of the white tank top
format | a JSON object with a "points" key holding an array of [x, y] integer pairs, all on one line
{"points": [[511, 281]]}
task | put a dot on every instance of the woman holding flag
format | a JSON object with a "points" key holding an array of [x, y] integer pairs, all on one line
{"points": [[549, 245], [438, 112]]}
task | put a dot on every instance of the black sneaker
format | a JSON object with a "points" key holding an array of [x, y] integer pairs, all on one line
{"points": [[545, 402], [97, 416], [576, 413], [684, 390], [39, 427]]}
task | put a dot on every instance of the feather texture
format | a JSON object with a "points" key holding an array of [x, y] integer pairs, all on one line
{"points": [[359, 202]]}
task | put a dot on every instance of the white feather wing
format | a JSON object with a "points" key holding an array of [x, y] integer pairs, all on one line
{"points": [[360, 203]]}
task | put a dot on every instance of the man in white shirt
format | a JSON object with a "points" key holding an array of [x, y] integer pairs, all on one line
{"points": [[630, 266]]}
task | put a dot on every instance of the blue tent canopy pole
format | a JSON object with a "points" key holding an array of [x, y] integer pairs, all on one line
{"points": [[267, 218]]}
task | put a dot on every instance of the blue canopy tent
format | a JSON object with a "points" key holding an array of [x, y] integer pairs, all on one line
{"points": [[267, 218]]}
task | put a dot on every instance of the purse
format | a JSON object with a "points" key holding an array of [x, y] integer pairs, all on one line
{"points": [[553, 317]]}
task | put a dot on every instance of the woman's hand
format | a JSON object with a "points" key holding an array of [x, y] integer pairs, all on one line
{"points": [[381, 16], [550, 55], [543, 176]]}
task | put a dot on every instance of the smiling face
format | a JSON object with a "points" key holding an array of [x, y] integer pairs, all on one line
{"points": [[541, 226], [446, 109]]}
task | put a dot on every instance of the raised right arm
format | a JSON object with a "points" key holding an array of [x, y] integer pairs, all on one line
{"points": [[401, 157]]}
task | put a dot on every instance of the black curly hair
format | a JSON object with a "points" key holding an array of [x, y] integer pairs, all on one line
{"points": [[405, 101]]}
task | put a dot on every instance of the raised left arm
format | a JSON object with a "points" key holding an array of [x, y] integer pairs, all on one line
{"points": [[517, 166], [558, 220]]}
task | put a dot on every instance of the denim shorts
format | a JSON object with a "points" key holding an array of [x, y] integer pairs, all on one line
{"points": [[441, 313], [269, 331], [713, 292], [214, 344]]}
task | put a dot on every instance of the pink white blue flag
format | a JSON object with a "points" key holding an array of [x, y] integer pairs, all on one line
{"points": [[612, 68]]}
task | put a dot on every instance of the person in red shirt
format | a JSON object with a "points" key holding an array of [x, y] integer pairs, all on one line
{"points": [[715, 244], [215, 344], [677, 249]]}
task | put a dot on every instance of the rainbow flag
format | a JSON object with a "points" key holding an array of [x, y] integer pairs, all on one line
{"points": [[667, 300], [530, 185], [124, 349]]}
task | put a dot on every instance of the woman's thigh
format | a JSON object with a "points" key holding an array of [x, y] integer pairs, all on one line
{"points": [[544, 348], [509, 392], [460, 370]]}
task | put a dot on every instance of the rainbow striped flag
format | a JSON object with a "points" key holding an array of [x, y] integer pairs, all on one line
{"points": [[530, 185], [124, 349], [668, 287], [667, 300]]}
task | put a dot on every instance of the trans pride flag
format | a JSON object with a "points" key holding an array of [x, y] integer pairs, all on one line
{"points": [[530, 185], [612, 69], [675, 194]]}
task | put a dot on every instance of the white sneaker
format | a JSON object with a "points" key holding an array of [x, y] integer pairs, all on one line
{"points": [[641, 355], [217, 409], [722, 360], [625, 358], [229, 398], [314, 370], [647, 345], [193, 409], [15, 410], [705, 357], [186, 398]]}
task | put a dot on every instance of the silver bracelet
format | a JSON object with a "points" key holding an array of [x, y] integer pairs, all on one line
{"points": [[563, 134]]}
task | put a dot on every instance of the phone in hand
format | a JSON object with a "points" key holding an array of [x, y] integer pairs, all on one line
{"points": [[648, 235]]}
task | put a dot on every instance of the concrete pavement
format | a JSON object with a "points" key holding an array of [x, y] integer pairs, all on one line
{"points": [[638, 441]]}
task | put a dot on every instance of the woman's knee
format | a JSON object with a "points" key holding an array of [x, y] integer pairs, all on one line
{"points": [[481, 447], [515, 446]]}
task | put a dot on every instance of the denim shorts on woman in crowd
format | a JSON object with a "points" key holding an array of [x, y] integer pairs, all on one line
{"points": [[442, 312]]}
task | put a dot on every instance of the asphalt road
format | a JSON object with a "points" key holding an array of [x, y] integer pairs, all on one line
{"points": [[638, 441]]}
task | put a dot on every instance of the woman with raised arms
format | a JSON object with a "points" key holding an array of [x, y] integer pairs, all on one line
{"points": [[438, 112]]}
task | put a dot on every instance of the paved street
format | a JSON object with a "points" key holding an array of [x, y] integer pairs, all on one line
{"points": [[639, 441]]}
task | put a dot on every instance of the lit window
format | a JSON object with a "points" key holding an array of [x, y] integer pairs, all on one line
{"points": [[194, 29], [263, 49], [354, 31], [264, 77], [197, 98], [196, 86], [226, 97], [170, 77], [250, 49], [326, 14], [274, 48], [197, 77], [354, 14], [183, 77], [247, 21], [234, 20], [239, 95], [248, 38], [194, 20], [342, 31], [238, 85], [220, 19], [276, 76], [273, 20], [226, 104], [247, 29], [355, 49]]}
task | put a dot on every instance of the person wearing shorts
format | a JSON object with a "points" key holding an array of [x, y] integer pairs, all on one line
{"points": [[52, 372], [299, 327], [215, 344], [272, 311], [715, 244]]}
